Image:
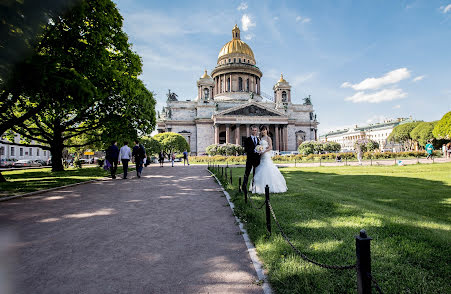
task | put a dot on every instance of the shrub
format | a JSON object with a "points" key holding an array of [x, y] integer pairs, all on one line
{"points": [[78, 163], [226, 149], [100, 162]]}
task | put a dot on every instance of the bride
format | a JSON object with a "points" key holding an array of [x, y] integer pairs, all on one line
{"points": [[267, 172]]}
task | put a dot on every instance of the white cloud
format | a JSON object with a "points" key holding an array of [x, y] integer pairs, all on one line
{"points": [[392, 77], [303, 19], [419, 78], [445, 9], [249, 36], [298, 18], [300, 79], [396, 106], [242, 6], [377, 97], [306, 20], [246, 22]]}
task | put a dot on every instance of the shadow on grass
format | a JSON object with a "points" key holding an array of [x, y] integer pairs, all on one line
{"points": [[408, 219]]}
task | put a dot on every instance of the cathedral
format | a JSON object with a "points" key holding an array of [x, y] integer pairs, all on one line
{"points": [[230, 100]]}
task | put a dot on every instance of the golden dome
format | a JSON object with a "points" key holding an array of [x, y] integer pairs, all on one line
{"points": [[236, 45], [281, 80], [205, 76]]}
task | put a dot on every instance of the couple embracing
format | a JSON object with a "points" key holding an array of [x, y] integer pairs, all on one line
{"points": [[258, 151]]}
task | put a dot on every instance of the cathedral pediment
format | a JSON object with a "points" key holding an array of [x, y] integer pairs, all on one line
{"points": [[250, 110]]}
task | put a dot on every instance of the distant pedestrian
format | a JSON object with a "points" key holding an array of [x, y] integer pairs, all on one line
{"points": [[112, 155], [448, 148], [185, 157], [172, 158], [444, 151], [139, 153], [429, 149], [161, 158], [125, 154]]}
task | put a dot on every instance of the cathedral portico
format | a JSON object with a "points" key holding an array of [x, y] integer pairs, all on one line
{"points": [[229, 101]]}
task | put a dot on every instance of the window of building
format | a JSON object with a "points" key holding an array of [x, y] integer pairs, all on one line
{"points": [[240, 84], [13, 151], [230, 60], [37, 152], [31, 152], [228, 84], [239, 60], [284, 98], [2, 150], [45, 153], [247, 85], [234, 60], [21, 152]]}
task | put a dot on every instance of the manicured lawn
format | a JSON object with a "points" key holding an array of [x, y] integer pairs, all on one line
{"points": [[24, 181], [405, 209]]}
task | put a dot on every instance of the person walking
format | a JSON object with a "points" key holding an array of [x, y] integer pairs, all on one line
{"points": [[172, 158], [125, 154], [161, 158], [112, 155], [185, 157], [138, 153], [429, 149]]}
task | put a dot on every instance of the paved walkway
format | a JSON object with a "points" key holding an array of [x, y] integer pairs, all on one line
{"points": [[168, 232]]}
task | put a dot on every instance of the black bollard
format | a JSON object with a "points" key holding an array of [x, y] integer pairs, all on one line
{"points": [[231, 180], [363, 254], [268, 211]]}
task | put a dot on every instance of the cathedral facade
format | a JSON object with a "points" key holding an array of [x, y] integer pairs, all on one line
{"points": [[230, 100]]}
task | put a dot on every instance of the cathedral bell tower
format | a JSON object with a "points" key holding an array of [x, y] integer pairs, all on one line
{"points": [[205, 88], [282, 93]]}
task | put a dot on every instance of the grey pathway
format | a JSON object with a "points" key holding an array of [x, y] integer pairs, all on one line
{"points": [[168, 232]]}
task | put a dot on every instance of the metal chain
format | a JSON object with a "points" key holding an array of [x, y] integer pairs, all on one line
{"points": [[252, 203], [376, 285], [303, 256]]}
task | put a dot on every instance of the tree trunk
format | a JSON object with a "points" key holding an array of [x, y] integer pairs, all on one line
{"points": [[57, 147], [2, 178]]}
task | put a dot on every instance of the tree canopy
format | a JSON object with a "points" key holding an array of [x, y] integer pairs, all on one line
{"points": [[422, 133], [442, 129], [152, 145], [172, 142], [401, 134], [87, 82]]}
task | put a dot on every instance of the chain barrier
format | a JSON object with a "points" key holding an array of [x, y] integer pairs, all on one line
{"points": [[303, 256], [376, 285], [252, 203]]}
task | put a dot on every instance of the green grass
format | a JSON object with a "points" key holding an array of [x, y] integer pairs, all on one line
{"points": [[406, 210], [24, 181]]}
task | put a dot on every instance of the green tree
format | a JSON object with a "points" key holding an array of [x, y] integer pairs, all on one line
{"points": [[172, 142], [331, 146], [152, 145], [442, 129], [95, 90], [310, 147], [422, 133], [401, 134]]}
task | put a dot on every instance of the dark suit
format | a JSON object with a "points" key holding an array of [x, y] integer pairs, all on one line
{"points": [[252, 159]]}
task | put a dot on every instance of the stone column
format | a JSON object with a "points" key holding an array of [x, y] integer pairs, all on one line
{"points": [[276, 132], [216, 134], [259, 86], [227, 133], [237, 134], [285, 137], [248, 131]]}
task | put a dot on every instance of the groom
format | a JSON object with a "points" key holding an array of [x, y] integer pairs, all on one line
{"points": [[253, 158]]}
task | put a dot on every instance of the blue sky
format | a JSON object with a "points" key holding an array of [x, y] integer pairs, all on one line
{"points": [[361, 61]]}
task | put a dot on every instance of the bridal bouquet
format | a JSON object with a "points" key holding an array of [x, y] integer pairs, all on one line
{"points": [[259, 149]]}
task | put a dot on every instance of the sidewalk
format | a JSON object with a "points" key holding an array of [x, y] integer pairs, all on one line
{"points": [[168, 232]]}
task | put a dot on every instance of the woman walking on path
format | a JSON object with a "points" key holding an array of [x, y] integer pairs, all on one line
{"points": [[172, 158], [161, 158], [429, 149], [125, 154]]}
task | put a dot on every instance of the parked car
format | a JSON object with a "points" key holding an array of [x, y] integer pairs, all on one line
{"points": [[26, 163], [41, 162], [7, 162], [286, 153]]}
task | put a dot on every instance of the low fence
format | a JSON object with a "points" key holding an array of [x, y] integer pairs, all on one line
{"points": [[362, 266]]}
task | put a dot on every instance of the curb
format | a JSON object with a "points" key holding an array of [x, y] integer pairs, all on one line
{"points": [[258, 265], [53, 189]]}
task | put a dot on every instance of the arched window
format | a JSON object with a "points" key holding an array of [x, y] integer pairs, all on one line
{"points": [[284, 96], [206, 96], [228, 84], [240, 84], [247, 85]]}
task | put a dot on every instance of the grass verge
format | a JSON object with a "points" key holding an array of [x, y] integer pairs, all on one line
{"points": [[405, 209], [25, 181]]}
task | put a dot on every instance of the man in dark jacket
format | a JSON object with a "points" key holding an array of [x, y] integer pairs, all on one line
{"points": [[252, 157], [139, 153], [112, 155]]}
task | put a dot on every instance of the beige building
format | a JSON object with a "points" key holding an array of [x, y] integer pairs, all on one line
{"points": [[378, 132], [230, 100]]}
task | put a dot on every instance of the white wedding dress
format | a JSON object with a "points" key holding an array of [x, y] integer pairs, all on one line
{"points": [[267, 173]]}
